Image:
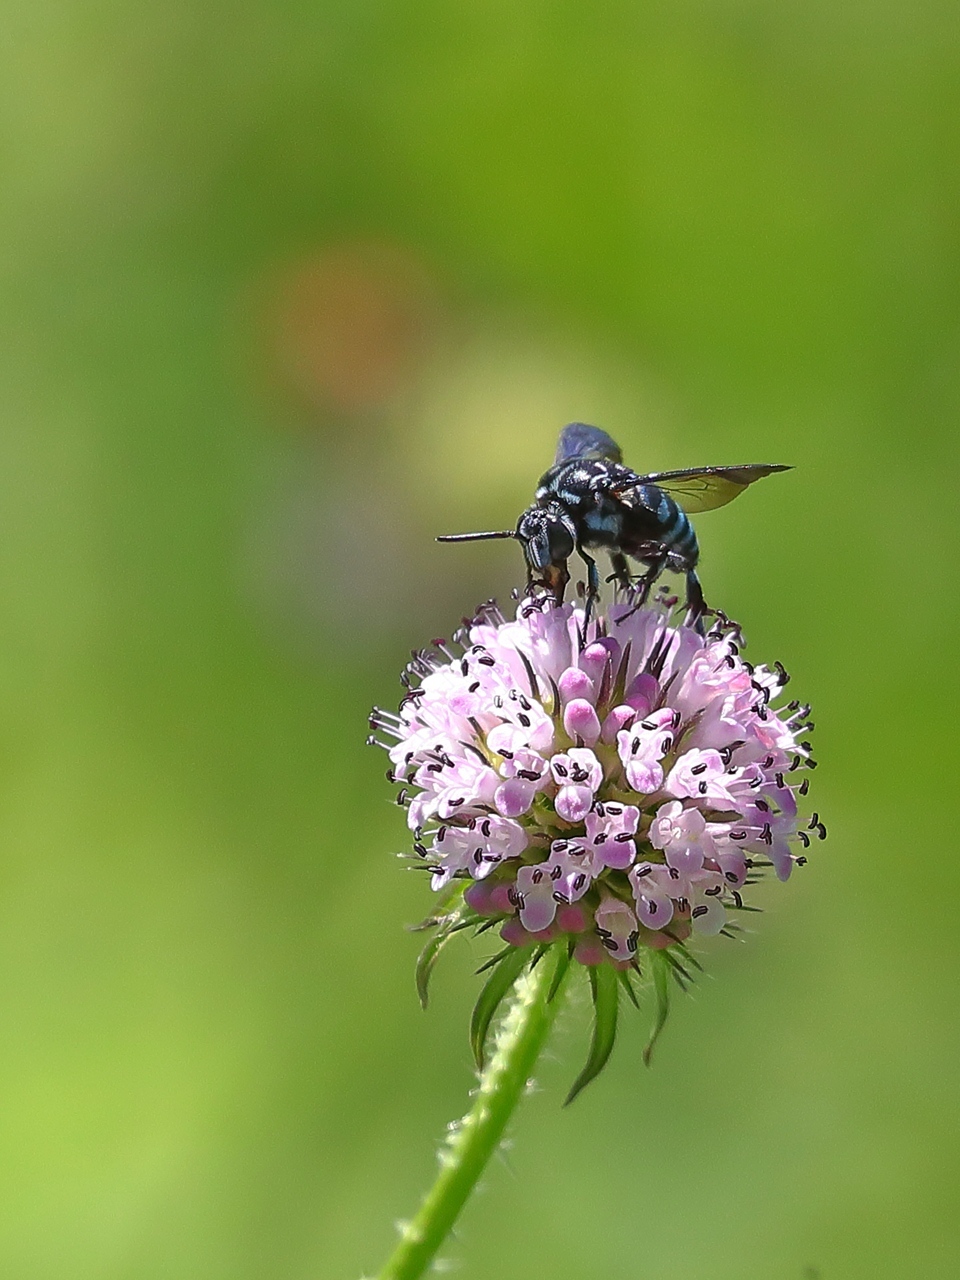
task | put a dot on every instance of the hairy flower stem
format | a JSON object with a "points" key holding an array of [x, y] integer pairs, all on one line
{"points": [[520, 1039]]}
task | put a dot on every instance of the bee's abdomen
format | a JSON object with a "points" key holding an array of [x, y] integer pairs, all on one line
{"points": [[676, 531]]}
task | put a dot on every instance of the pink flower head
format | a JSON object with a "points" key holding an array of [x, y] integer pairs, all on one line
{"points": [[620, 782]]}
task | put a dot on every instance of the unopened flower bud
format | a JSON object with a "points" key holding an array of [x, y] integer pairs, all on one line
{"points": [[581, 721]]}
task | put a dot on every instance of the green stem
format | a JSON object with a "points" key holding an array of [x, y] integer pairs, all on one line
{"points": [[521, 1036]]}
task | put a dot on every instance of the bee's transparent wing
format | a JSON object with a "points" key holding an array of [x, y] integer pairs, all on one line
{"points": [[706, 488], [578, 440]]}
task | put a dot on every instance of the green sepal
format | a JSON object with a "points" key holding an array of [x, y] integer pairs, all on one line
{"points": [[495, 960], [563, 964], [449, 906], [681, 977], [623, 976], [605, 989], [446, 926], [662, 968], [427, 959], [508, 966], [689, 957], [619, 689]]}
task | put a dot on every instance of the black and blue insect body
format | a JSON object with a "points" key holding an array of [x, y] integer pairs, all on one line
{"points": [[589, 501]]}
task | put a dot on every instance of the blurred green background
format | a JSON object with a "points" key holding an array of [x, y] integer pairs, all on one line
{"points": [[288, 289]]}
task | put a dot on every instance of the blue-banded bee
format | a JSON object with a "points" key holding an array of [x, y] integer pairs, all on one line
{"points": [[589, 500]]}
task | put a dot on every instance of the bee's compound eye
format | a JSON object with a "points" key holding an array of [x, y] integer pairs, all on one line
{"points": [[546, 540], [561, 542], [531, 535], [537, 549]]}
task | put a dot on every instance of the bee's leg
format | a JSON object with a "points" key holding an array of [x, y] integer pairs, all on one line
{"points": [[696, 605], [649, 578], [621, 571], [553, 581], [559, 582], [593, 586], [642, 590]]}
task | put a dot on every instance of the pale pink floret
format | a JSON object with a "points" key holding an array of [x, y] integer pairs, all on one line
{"points": [[643, 746], [710, 677], [524, 726], [535, 888], [617, 927], [729, 857], [707, 912], [705, 777], [682, 836], [477, 848], [451, 791], [525, 773], [576, 868], [653, 890], [610, 829], [578, 773]]}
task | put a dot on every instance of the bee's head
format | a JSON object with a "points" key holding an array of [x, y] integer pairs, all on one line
{"points": [[548, 538]]}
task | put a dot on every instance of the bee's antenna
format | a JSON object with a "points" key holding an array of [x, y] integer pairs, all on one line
{"points": [[476, 537]]}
